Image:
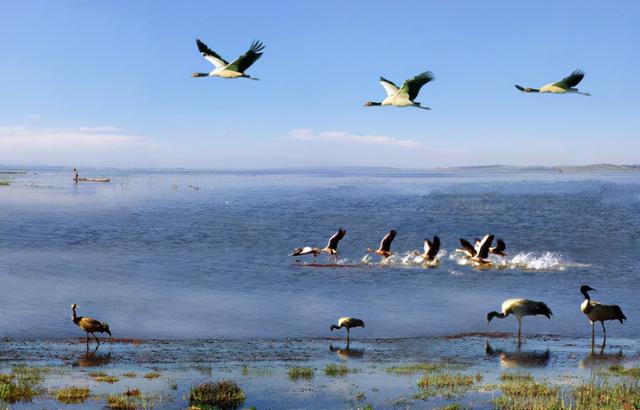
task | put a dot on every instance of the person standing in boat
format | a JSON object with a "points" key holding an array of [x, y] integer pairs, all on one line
{"points": [[76, 175]]}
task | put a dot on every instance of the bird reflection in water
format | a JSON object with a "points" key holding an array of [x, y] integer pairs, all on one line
{"points": [[92, 359], [593, 359], [347, 352], [518, 358]]}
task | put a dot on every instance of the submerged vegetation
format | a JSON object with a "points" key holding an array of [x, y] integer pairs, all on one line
{"points": [[223, 394], [22, 384], [129, 400], [73, 395], [102, 377], [334, 370], [298, 373], [445, 384], [413, 368]]}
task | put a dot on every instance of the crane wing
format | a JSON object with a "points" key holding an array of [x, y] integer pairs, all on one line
{"points": [[572, 80], [335, 239], [385, 244], [485, 244], [413, 85], [467, 246], [210, 55], [388, 86], [247, 59]]}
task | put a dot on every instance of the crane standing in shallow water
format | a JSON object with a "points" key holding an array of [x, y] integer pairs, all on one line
{"points": [[520, 308], [347, 323], [599, 312], [89, 325]]}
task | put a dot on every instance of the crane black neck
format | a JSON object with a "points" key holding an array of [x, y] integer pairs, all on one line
{"points": [[586, 294]]}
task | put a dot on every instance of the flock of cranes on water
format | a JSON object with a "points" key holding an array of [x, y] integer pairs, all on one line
{"points": [[517, 307], [403, 96], [477, 253]]}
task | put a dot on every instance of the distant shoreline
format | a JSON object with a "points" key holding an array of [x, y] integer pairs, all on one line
{"points": [[588, 168]]}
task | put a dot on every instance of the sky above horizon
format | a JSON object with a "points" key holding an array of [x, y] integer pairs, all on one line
{"points": [[109, 83]]}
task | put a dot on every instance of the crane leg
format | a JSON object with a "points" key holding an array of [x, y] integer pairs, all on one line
{"points": [[593, 335], [519, 328], [87, 340], [97, 341], [604, 331], [347, 335]]}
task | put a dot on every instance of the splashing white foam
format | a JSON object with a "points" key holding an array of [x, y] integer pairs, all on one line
{"points": [[410, 258], [541, 261]]}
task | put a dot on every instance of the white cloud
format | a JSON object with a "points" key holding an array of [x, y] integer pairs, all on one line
{"points": [[95, 146], [341, 136]]}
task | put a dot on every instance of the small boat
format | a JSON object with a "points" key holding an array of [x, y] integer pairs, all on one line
{"points": [[94, 179]]}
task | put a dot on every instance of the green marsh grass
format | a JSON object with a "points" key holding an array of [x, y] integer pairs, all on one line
{"points": [[73, 395], [22, 384], [223, 394], [337, 370], [446, 384], [413, 368], [301, 373], [102, 377], [131, 399]]}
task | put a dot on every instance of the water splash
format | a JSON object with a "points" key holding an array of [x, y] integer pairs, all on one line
{"points": [[539, 261], [410, 258], [542, 261]]}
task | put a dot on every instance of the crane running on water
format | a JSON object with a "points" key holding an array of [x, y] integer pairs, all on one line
{"points": [[89, 325], [331, 248], [405, 95], [236, 68], [499, 249], [520, 308], [599, 312], [564, 86], [480, 252], [385, 245], [431, 249]]}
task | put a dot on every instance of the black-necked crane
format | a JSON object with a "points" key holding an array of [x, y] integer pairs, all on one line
{"points": [[564, 86], [499, 249], [520, 308], [347, 323], [479, 253], [431, 249], [599, 312], [331, 248], [235, 69], [89, 325], [385, 245], [405, 95]]}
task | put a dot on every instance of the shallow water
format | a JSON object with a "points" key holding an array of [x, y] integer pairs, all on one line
{"points": [[157, 258], [260, 368]]}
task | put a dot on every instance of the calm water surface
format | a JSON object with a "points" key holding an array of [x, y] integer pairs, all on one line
{"points": [[158, 259]]}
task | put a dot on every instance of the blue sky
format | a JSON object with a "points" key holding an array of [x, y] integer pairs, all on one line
{"points": [[108, 83]]}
